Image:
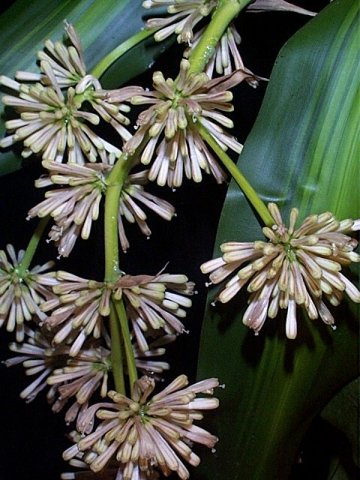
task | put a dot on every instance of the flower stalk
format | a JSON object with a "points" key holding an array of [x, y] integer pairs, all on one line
{"points": [[120, 50], [129, 351], [119, 332], [239, 178], [32, 246], [225, 12], [115, 184], [116, 352]]}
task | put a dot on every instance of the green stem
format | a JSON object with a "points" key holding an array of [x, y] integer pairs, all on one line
{"points": [[33, 244], [239, 178], [116, 353], [225, 12], [111, 57], [115, 184], [129, 351]]}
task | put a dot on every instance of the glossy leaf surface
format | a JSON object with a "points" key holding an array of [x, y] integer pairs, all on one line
{"points": [[303, 152], [102, 26]]}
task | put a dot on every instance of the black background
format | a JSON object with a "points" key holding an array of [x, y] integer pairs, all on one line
{"points": [[32, 438]]}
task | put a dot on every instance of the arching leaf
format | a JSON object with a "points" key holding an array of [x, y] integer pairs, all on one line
{"points": [[303, 151]]}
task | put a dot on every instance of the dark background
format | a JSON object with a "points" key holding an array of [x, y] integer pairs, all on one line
{"points": [[33, 438]]}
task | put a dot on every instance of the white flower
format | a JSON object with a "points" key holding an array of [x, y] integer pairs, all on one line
{"points": [[154, 303], [145, 359], [295, 267], [184, 16], [144, 432], [74, 206], [174, 145], [54, 120], [66, 62], [54, 126], [79, 310], [22, 291], [276, 5], [226, 57], [83, 374], [39, 357], [132, 196]]}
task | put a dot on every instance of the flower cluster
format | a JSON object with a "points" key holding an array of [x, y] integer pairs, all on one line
{"points": [[295, 267], [78, 310], [185, 15], [55, 123], [226, 57], [39, 357], [133, 197], [75, 205], [144, 432], [88, 372], [106, 474], [154, 304], [22, 291], [79, 377], [169, 124], [143, 435]]}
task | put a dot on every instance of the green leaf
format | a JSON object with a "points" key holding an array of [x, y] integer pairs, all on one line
{"points": [[301, 152], [102, 26], [342, 413], [338, 472]]}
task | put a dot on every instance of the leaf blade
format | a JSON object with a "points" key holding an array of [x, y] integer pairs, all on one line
{"points": [[102, 26], [277, 385]]}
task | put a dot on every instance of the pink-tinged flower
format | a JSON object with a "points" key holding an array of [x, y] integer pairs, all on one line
{"points": [[183, 17], [75, 378], [276, 5], [22, 291], [148, 432], [39, 357], [75, 205], [155, 303], [87, 373], [108, 474], [174, 145], [145, 359], [226, 57], [66, 377], [295, 267], [55, 121], [132, 199], [112, 471], [53, 126], [80, 379], [79, 310], [81, 307], [66, 62]]}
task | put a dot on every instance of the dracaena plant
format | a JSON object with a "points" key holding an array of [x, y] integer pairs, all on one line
{"points": [[97, 345]]}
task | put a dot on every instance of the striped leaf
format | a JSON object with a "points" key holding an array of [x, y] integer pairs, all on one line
{"points": [[303, 151], [102, 26]]}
